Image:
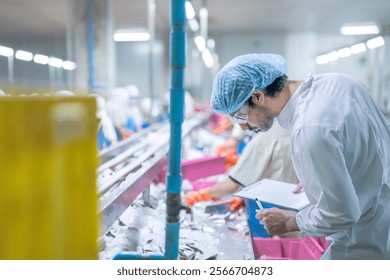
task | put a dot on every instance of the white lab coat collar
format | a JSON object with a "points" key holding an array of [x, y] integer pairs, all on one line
{"points": [[285, 116]]}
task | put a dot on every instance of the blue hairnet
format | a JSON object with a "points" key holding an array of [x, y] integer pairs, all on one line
{"points": [[238, 79]]}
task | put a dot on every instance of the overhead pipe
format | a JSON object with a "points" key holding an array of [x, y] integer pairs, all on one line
{"points": [[11, 74], [91, 45], [174, 176], [152, 42]]}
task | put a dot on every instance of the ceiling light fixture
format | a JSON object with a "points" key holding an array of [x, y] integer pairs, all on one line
{"points": [[359, 30], [7, 52], [55, 62], [23, 55], [190, 12], [358, 48], [41, 59], [200, 43], [194, 25], [122, 36], [322, 59], [344, 52], [333, 56], [69, 65], [375, 42]]}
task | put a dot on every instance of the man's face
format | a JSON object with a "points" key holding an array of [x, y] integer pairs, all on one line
{"points": [[255, 117], [260, 118]]}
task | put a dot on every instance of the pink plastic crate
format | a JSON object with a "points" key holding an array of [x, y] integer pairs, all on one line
{"points": [[193, 170], [198, 185], [306, 248]]}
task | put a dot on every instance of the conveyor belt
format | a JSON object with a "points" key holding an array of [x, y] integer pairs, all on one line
{"points": [[123, 145], [128, 167]]}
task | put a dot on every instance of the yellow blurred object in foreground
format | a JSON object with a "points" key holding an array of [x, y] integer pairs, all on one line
{"points": [[48, 199]]}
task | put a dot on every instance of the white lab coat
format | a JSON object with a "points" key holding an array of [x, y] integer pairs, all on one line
{"points": [[341, 153]]}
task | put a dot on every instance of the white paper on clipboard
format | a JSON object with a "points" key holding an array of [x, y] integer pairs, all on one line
{"points": [[275, 192]]}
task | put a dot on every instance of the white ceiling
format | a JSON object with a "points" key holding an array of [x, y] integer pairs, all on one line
{"points": [[47, 18]]}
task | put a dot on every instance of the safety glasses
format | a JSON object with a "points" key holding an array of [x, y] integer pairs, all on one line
{"points": [[240, 116]]}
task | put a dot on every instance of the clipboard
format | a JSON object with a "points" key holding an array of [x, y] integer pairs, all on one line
{"points": [[276, 193]]}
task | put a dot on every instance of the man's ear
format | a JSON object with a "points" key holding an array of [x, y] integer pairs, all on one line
{"points": [[258, 97]]}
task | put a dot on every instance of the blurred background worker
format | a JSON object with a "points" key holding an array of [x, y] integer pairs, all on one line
{"points": [[117, 110], [106, 135], [266, 156], [133, 112]]}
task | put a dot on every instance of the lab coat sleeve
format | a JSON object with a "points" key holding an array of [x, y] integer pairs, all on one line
{"points": [[319, 158]]}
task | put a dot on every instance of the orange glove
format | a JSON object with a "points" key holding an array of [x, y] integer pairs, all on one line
{"points": [[195, 196], [125, 133], [230, 155], [231, 161], [223, 150], [236, 203]]}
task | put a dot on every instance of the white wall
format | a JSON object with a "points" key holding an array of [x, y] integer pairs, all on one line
{"points": [[300, 48], [229, 45], [132, 66]]}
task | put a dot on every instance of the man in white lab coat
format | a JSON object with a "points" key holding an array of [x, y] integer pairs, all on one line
{"points": [[340, 144]]}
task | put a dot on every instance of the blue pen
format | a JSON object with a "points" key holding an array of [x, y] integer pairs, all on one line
{"points": [[259, 204]]}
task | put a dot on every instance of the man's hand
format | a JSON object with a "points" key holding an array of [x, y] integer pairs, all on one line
{"points": [[277, 221], [298, 188]]}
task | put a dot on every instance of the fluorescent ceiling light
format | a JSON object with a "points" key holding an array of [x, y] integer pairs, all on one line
{"points": [[344, 52], [207, 58], [375, 42], [131, 36], [359, 30], [322, 59], [41, 59], [23, 55], [190, 12], [69, 65], [194, 25], [55, 62], [358, 48], [333, 56], [4, 51], [200, 43]]}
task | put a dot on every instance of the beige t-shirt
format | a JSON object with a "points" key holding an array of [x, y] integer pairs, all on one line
{"points": [[267, 155]]}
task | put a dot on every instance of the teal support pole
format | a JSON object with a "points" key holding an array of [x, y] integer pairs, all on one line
{"points": [[174, 176]]}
